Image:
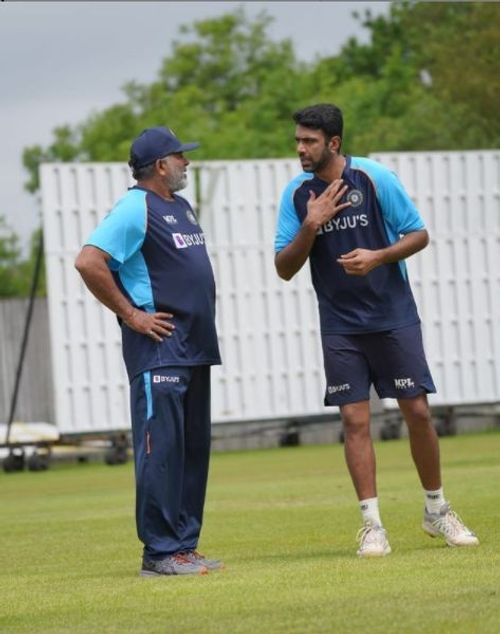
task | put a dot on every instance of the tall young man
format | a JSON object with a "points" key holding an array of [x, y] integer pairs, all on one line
{"points": [[353, 220]]}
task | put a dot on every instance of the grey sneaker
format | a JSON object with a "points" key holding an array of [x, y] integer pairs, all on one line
{"points": [[195, 557], [447, 524], [173, 565], [373, 542]]}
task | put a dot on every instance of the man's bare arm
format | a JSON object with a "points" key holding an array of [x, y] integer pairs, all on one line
{"points": [[362, 261], [92, 264]]}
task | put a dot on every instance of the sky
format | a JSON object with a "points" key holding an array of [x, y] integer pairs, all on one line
{"points": [[61, 61]]}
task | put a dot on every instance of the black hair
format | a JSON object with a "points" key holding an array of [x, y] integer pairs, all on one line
{"points": [[323, 116]]}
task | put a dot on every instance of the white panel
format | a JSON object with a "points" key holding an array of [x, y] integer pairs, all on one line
{"points": [[268, 328], [90, 383], [456, 279]]}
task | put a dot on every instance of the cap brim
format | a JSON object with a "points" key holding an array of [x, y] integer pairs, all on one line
{"points": [[185, 147]]}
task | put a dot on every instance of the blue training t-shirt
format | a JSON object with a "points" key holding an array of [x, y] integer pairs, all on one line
{"points": [[160, 262], [380, 212]]}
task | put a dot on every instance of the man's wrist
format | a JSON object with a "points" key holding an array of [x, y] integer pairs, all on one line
{"points": [[128, 314], [383, 257], [311, 224]]}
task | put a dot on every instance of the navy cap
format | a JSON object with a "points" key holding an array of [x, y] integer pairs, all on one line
{"points": [[155, 143]]}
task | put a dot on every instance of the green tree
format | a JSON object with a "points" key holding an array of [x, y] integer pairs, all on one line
{"points": [[16, 272], [426, 80], [65, 147], [10, 256], [28, 265], [10, 259], [228, 84], [461, 53]]}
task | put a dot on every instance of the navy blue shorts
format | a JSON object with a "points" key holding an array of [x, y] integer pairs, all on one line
{"points": [[392, 360]]}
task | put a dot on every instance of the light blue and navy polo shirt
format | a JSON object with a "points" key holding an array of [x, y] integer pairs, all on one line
{"points": [[380, 213], [160, 262]]}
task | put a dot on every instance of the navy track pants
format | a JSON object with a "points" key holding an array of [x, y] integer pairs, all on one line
{"points": [[171, 433]]}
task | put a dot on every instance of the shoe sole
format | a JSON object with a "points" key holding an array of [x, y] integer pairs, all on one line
{"points": [[372, 555], [216, 568], [151, 573], [432, 532]]}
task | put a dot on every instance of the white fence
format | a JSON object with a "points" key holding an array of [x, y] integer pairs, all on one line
{"points": [[268, 328], [456, 280]]}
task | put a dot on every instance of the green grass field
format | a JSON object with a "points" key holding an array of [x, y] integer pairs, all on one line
{"points": [[284, 521]]}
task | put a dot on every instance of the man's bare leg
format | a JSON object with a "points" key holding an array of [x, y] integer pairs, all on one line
{"points": [[439, 519], [361, 462], [358, 448], [424, 443]]}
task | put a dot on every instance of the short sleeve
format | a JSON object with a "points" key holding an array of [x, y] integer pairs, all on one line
{"points": [[121, 233], [288, 224], [397, 207]]}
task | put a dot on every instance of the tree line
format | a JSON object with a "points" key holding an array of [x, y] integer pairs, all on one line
{"points": [[426, 80]]}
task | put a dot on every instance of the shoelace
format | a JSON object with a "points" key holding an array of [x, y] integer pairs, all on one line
{"points": [[450, 524], [363, 534], [181, 558], [193, 553]]}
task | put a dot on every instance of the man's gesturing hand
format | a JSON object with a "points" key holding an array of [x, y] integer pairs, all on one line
{"points": [[154, 325], [322, 208], [359, 261]]}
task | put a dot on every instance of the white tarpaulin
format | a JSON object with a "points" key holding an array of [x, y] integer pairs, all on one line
{"points": [[268, 328]]}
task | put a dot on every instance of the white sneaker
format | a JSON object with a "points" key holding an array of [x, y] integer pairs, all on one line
{"points": [[447, 524], [372, 541]]}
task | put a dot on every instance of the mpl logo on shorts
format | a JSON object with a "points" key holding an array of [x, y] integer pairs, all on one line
{"points": [[403, 384], [185, 240], [333, 389], [159, 378]]}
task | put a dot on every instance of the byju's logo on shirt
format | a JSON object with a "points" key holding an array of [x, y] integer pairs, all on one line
{"points": [[344, 222], [185, 240]]}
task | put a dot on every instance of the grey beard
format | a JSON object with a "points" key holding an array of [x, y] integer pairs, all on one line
{"points": [[177, 183]]}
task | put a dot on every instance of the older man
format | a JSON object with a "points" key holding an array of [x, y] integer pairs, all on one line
{"points": [[148, 263]]}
